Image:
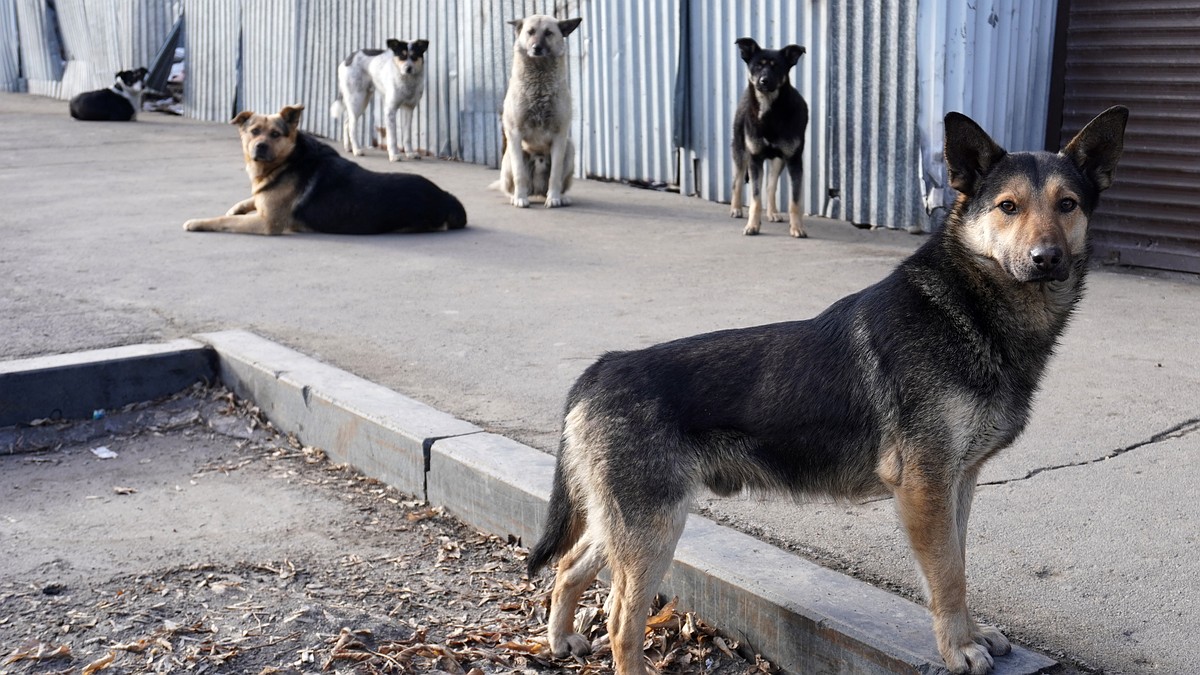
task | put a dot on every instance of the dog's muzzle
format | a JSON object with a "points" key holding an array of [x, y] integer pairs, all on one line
{"points": [[262, 152], [1050, 263], [538, 51]]}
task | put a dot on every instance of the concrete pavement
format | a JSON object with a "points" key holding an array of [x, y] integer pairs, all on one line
{"points": [[1085, 557]]}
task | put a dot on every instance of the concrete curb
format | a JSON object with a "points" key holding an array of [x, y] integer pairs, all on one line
{"points": [[802, 617], [72, 386]]}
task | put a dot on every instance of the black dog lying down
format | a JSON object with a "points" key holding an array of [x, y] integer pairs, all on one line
{"points": [[119, 103], [300, 184]]}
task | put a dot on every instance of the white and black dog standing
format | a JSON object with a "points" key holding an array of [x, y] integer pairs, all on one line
{"points": [[119, 103], [537, 113], [398, 72], [770, 123]]}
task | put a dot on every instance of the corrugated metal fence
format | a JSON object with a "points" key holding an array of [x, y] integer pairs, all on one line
{"points": [[654, 85], [78, 45], [10, 55]]}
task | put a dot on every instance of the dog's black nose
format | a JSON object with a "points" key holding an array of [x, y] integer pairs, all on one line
{"points": [[260, 151], [538, 50], [1048, 260]]}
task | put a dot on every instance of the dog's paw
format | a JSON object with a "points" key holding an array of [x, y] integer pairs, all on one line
{"points": [[412, 155], [394, 158], [992, 638], [555, 202], [573, 645], [775, 216], [798, 232], [750, 230], [737, 212], [189, 226], [970, 658], [520, 202], [358, 153]]}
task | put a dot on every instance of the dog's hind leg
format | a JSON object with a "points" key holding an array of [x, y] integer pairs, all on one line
{"points": [[772, 193], [576, 571], [558, 170], [755, 219], [639, 559], [927, 503], [355, 105], [796, 198]]}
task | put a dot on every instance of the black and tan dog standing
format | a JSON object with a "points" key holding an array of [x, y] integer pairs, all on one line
{"points": [[300, 184], [769, 126], [906, 387]]}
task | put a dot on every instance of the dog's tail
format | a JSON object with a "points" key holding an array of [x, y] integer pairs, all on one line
{"points": [[562, 525], [566, 519], [337, 108]]}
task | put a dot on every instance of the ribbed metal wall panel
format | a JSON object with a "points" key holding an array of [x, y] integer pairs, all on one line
{"points": [[212, 31], [272, 39], [10, 55], [331, 30], [991, 61], [102, 37], [873, 174], [631, 54], [718, 78], [1144, 54], [40, 50]]}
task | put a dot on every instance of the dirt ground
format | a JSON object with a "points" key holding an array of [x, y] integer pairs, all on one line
{"points": [[211, 543]]}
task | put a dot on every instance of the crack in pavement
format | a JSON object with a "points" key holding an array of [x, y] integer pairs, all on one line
{"points": [[1178, 431]]}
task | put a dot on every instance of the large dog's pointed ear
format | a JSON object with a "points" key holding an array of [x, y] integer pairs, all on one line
{"points": [[241, 118], [418, 47], [748, 48], [792, 54], [516, 24], [568, 26], [1097, 148], [970, 152], [396, 46], [291, 115]]}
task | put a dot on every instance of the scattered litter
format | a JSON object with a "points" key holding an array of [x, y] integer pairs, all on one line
{"points": [[124, 490], [98, 414], [103, 452]]}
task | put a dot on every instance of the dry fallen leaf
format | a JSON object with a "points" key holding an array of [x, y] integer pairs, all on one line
{"points": [[99, 664]]}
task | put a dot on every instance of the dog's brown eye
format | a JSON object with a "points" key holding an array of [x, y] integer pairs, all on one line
{"points": [[1008, 206], [275, 134], [1067, 205]]}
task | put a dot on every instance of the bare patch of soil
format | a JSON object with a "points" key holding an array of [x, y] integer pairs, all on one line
{"points": [[212, 543]]}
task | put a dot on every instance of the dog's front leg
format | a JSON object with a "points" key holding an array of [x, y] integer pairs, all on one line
{"points": [[795, 215], [929, 507], [406, 121], [251, 223], [242, 207], [558, 170], [772, 193], [393, 141], [755, 219], [519, 169]]}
